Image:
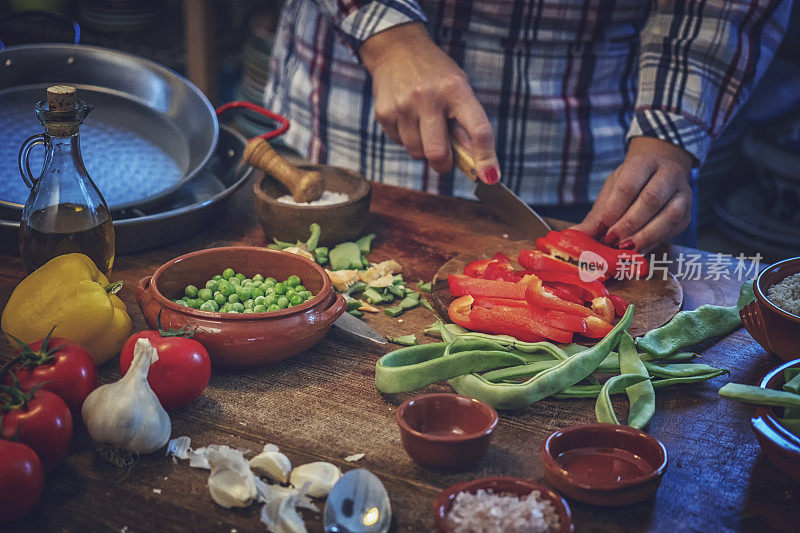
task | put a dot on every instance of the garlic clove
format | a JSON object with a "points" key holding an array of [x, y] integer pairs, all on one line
{"points": [[272, 464], [322, 477], [231, 483], [279, 512]]}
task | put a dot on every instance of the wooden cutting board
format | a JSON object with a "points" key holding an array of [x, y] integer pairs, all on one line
{"points": [[656, 300]]}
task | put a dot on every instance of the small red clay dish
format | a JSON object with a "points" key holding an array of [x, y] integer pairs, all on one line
{"points": [[445, 431], [604, 464]]}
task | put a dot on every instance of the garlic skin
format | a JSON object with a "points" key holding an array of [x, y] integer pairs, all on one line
{"points": [[272, 464], [320, 475], [231, 483], [127, 413]]}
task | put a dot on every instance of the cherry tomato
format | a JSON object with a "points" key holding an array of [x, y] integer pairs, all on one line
{"points": [[64, 367], [43, 422], [181, 373], [21, 479]]}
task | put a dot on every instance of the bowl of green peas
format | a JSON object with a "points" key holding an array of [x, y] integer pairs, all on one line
{"points": [[247, 305]]}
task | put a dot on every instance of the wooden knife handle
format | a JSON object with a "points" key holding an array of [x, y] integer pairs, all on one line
{"points": [[463, 159], [304, 186]]}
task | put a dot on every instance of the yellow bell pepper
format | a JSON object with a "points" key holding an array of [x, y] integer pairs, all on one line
{"points": [[68, 292]]}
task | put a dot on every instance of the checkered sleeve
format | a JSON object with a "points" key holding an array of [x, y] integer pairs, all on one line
{"points": [[698, 62], [358, 20]]}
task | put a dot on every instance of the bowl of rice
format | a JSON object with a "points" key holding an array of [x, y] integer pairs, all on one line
{"points": [[341, 211], [501, 505], [773, 318]]}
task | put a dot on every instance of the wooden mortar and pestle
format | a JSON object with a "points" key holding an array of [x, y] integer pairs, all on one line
{"points": [[306, 182]]}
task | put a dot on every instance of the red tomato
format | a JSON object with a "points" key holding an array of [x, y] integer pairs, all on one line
{"points": [[181, 373], [67, 370], [21, 479], [44, 423]]}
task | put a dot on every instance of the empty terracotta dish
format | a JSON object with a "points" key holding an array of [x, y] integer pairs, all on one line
{"points": [[774, 328], [501, 485], [445, 431], [604, 464], [780, 445], [340, 222], [236, 339]]}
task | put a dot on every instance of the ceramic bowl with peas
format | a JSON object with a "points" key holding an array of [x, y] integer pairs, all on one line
{"points": [[247, 305]]}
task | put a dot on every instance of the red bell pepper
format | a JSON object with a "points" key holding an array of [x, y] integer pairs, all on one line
{"points": [[461, 285], [537, 295], [570, 243], [604, 308], [537, 261], [594, 288], [550, 317], [501, 270], [567, 292], [503, 321], [620, 304], [597, 328], [475, 269]]}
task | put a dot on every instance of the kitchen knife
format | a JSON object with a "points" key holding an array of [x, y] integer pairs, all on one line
{"points": [[359, 328], [499, 198]]}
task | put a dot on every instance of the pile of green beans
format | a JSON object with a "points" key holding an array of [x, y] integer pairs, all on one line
{"points": [[788, 398]]}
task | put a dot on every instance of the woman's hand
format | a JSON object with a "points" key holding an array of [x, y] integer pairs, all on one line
{"points": [[647, 200], [417, 89]]}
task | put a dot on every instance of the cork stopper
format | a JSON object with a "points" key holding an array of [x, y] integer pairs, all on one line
{"points": [[61, 98]]}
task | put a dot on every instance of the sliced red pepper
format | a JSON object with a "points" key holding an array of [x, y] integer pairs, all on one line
{"points": [[597, 328], [500, 256], [594, 288], [604, 308], [570, 243], [510, 321], [480, 319], [475, 269], [537, 260], [461, 285], [537, 295], [500, 270], [620, 304], [549, 317], [567, 292]]}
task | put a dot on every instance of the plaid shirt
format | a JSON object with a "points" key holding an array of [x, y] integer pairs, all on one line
{"points": [[564, 82]]}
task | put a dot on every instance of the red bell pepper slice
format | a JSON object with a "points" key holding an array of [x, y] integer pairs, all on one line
{"points": [[537, 261], [570, 243], [509, 321], [604, 308], [461, 285], [597, 328], [537, 295], [620, 304], [594, 288], [567, 292], [550, 317], [475, 269], [463, 313], [500, 256], [499, 270]]}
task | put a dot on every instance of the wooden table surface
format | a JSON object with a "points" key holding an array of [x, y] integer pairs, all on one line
{"points": [[323, 405]]}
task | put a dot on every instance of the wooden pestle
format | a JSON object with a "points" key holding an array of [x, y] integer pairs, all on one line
{"points": [[304, 186]]}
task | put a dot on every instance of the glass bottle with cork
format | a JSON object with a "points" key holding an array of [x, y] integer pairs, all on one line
{"points": [[65, 211]]}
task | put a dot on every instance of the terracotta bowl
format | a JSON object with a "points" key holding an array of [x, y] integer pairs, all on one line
{"points": [[776, 330], [604, 464], [445, 431], [235, 339], [509, 485], [780, 445], [340, 222]]}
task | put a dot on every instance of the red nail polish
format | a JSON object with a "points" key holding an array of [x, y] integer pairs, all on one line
{"points": [[627, 244], [611, 238], [491, 175]]}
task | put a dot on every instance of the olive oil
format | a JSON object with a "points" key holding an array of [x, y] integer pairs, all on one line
{"points": [[63, 229]]}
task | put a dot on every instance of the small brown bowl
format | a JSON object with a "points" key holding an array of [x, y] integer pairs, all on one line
{"points": [[776, 330], [445, 431], [509, 485], [340, 222], [604, 464], [234, 339], [780, 445]]}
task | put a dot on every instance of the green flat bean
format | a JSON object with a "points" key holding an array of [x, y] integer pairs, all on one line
{"points": [[358, 286], [409, 303], [313, 239], [792, 377], [372, 295], [591, 391], [412, 368], [394, 311], [426, 304], [759, 396], [451, 332], [641, 396], [423, 287], [603, 409], [365, 243], [405, 340], [688, 328], [397, 291], [566, 373], [345, 256]]}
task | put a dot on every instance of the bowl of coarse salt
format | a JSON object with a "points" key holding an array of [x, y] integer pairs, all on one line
{"points": [[341, 210]]}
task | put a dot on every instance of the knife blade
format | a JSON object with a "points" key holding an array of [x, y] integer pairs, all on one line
{"points": [[359, 328], [500, 199]]}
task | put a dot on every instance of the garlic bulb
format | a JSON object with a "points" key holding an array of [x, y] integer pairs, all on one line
{"points": [[127, 413], [321, 476], [272, 464]]}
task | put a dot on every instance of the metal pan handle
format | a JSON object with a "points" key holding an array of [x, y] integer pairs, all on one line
{"points": [[76, 29], [24, 159]]}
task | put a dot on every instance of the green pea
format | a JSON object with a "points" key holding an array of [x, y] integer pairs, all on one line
{"points": [[249, 304], [270, 299], [258, 277], [283, 302], [248, 311], [296, 300], [226, 308], [233, 298], [271, 282], [217, 277], [205, 294], [180, 302], [259, 309], [292, 281], [306, 295], [280, 288], [273, 307], [258, 284], [235, 281], [260, 300], [240, 276], [257, 291], [228, 273], [247, 282], [244, 293], [212, 285], [290, 293], [220, 298], [191, 291], [300, 288], [238, 307], [225, 288], [210, 305]]}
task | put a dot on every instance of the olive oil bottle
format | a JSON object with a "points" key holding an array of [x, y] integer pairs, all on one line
{"points": [[65, 211]]}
